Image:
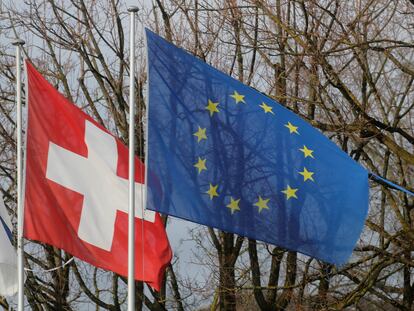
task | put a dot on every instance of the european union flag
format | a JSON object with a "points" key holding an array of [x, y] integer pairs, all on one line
{"points": [[226, 156]]}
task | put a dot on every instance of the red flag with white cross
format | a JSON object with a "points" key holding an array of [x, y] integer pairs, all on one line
{"points": [[76, 191]]}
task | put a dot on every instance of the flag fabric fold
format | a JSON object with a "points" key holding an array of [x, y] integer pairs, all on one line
{"points": [[76, 191], [224, 155], [8, 255]]}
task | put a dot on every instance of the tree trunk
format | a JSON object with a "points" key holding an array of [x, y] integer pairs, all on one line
{"points": [[227, 276]]}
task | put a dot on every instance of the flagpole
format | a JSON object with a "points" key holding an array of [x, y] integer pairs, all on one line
{"points": [[131, 214], [20, 263]]}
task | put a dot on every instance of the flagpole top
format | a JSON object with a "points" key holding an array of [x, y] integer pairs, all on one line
{"points": [[18, 42], [133, 9]]}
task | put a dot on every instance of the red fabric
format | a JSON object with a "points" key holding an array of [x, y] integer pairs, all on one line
{"points": [[52, 212]]}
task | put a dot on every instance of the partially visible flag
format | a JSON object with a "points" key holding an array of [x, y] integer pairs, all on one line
{"points": [[76, 192], [224, 155], [8, 255]]}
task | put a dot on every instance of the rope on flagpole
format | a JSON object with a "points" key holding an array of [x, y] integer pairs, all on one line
{"points": [[53, 269], [142, 174]]}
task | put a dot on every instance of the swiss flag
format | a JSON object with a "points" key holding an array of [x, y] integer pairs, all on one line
{"points": [[76, 191]]}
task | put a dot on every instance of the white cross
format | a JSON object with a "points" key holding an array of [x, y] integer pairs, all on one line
{"points": [[104, 193]]}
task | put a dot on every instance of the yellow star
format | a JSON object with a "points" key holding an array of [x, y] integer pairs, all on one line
{"points": [[201, 165], [262, 204], [306, 174], [290, 192], [266, 108], [212, 107], [200, 134], [292, 128], [307, 152], [234, 205], [212, 192], [238, 97]]}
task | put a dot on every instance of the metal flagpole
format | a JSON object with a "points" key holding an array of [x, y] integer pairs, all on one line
{"points": [[131, 213], [20, 263]]}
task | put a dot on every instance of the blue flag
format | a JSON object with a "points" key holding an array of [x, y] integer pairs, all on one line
{"points": [[8, 255], [226, 156]]}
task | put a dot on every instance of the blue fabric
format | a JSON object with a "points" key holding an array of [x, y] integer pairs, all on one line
{"points": [[389, 184], [6, 229], [252, 157]]}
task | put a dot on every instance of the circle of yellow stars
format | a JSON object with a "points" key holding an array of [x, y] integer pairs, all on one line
{"points": [[261, 203]]}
